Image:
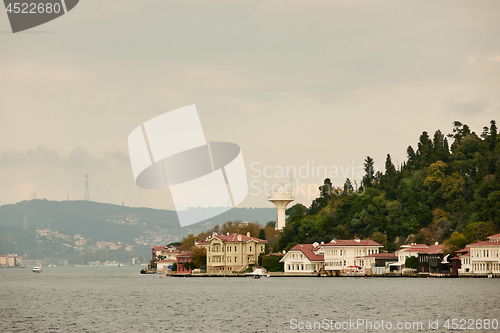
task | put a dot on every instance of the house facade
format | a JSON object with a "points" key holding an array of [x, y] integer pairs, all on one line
{"points": [[406, 251], [430, 260], [461, 263], [485, 256], [303, 258], [11, 260], [232, 253], [184, 257], [375, 263], [340, 255], [165, 265]]}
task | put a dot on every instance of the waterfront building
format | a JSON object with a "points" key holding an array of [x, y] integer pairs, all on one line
{"points": [[406, 251], [170, 253], [232, 253], [460, 263], [375, 263], [432, 260], [485, 256], [156, 252], [165, 265], [11, 260], [339, 255], [184, 257], [304, 258]]}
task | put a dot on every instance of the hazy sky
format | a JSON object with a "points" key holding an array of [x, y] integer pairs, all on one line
{"points": [[294, 83]]}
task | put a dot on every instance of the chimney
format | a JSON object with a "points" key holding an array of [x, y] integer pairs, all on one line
{"points": [[239, 238], [248, 234]]}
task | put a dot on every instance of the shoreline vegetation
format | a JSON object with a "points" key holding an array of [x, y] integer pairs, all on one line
{"points": [[443, 193]]}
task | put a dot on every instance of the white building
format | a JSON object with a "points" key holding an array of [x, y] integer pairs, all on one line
{"points": [[165, 266], [340, 255], [406, 251], [465, 262], [485, 256], [373, 263], [303, 258]]}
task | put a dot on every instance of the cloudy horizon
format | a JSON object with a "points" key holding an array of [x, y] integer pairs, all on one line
{"points": [[293, 83]]}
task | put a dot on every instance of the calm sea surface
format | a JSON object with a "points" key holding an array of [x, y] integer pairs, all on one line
{"points": [[119, 299]]}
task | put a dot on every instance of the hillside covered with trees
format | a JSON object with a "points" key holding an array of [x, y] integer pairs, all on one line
{"points": [[441, 193]]}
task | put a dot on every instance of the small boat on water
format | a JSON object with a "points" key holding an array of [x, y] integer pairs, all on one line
{"points": [[258, 273], [37, 269]]}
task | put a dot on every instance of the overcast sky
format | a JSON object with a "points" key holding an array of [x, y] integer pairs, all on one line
{"points": [[294, 83]]}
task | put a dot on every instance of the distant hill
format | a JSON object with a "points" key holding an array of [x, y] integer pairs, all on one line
{"points": [[105, 222]]}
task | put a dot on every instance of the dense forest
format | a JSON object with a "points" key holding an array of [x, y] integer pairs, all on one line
{"points": [[441, 193]]}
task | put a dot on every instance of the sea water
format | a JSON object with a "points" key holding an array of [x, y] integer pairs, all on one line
{"points": [[119, 299]]}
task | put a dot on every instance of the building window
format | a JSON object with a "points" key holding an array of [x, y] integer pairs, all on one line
{"points": [[235, 259], [250, 248]]}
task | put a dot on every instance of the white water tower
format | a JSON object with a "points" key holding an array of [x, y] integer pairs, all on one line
{"points": [[280, 199]]}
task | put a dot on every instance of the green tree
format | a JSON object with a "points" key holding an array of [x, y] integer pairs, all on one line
{"points": [[456, 242], [262, 234], [369, 176], [187, 243], [325, 190], [411, 262], [174, 267], [272, 263], [199, 257]]}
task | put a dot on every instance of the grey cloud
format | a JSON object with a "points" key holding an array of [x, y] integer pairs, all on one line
{"points": [[471, 107]]}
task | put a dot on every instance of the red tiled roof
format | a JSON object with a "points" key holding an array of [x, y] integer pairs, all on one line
{"points": [[352, 242], [465, 249], [485, 243], [307, 250], [185, 254], [433, 249], [494, 236], [158, 248], [233, 238]]}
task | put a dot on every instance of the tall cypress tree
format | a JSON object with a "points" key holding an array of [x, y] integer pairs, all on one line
{"points": [[369, 176]]}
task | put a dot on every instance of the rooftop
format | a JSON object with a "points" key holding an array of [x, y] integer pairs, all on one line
{"points": [[433, 249], [307, 250], [237, 238], [352, 242]]}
